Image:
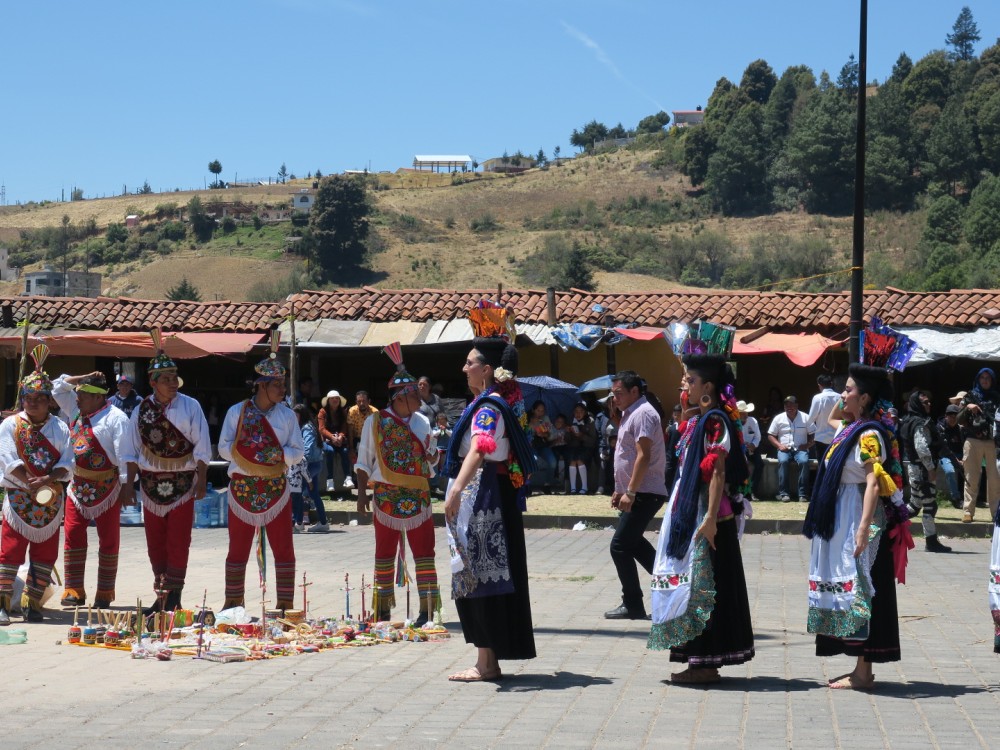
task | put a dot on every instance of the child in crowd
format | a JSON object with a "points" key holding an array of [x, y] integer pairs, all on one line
{"points": [[298, 476], [442, 433], [557, 441]]}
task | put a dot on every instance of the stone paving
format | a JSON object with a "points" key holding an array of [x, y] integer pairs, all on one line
{"points": [[594, 683]]}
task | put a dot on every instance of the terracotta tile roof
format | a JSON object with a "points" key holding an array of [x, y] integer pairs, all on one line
{"points": [[827, 313], [123, 314], [824, 312]]}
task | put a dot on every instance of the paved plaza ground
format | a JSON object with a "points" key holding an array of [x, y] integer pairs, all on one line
{"points": [[593, 684]]}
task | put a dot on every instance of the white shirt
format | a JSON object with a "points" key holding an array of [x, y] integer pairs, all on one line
{"points": [[819, 415], [751, 432], [283, 421], [110, 425], [791, 433], [54, 430], [367, 461], [186, 415]]}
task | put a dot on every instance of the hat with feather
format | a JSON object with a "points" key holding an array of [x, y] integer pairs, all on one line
{"points": [[270, 368], [161, 363], [37, 381], [401, 381]]}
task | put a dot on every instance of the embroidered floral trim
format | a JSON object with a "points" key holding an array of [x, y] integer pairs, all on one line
{"points": [[691, 624], [832, 587], [672, 581]]}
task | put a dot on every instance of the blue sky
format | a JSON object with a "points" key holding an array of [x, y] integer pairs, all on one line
{"points": [[110, 93]]}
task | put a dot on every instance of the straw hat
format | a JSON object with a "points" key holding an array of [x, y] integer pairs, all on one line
{"points": [[744, 407], [958, 397]]}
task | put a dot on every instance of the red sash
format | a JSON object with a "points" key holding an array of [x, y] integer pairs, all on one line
{"points": [[33, 521], [259, 492], [94, 487]]}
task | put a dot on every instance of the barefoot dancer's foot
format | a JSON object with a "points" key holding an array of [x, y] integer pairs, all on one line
{"points": [[853, 682], [472, 674], [695, 676]]}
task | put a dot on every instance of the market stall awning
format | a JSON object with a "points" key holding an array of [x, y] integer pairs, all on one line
{"points": [[328, 333], [803, 349], [939, 343], [138, 344]]}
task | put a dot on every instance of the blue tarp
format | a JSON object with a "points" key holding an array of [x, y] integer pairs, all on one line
{"points": [[602, 383]]}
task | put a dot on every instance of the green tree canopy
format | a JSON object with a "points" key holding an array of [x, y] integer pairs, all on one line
{"points": [[964, 35], [929, 82], [202, 225], [951, 149], [653, 123], [558, 263], [982, 219], [758, 81], [185, 290], [592, 131], [215, 167], [737, 171], [339, 224]]}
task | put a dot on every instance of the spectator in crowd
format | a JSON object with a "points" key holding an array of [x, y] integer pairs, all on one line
{"points": [[919, 444], [775, 405], [977, 415], [332, 421], [126, 398], [952, 442], [430, 402], [312, 443], [581, 439], [607, 436], [751, 442], [441, 432], [356, 417], [557, 441], [819, 415], [540, 430], [792, 438], [640, 490], [672, 436]]}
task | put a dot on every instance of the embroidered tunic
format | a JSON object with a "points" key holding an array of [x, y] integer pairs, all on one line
{"points": [[97, 445], [260, 446], [41, 451], [167, 443], [396, 455]]}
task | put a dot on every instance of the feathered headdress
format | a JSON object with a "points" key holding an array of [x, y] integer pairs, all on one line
{"points": [[401, 381], [490, 320], [270, 368], [161, 362], [37, 381]]}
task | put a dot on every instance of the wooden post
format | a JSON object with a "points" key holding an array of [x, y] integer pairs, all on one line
{"points": [[552, 320], [24, 354]]}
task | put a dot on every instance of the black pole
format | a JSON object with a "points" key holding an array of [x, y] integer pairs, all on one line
{"points": [[858, 255]]}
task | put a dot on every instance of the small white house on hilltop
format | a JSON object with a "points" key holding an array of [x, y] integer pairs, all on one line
{"points": [[52, 283], [302, 201], [686, 118]]}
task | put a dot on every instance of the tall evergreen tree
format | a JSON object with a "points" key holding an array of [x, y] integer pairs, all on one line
{"points": [[901, 68], [848, 81], [786, 101], [737, 171], [951, 149], [888, 177], [963, 37], [185, 290], [929, 82], [982, 218], [339, 224], [758, 81]]}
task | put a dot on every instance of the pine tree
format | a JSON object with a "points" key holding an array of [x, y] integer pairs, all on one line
{"points": [[965, 34], [184, 291], [737, 171]]}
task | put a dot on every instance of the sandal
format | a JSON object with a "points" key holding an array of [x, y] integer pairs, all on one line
{"points": [[695, 677], [472, 674]]}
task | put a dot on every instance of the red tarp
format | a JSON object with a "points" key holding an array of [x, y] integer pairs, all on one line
{"points": [[137, 344]]}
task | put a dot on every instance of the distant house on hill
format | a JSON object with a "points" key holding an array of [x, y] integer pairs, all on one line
{"points": [[509, 164], [52, 283], [448, 162], [132, 221], [685, 118], [302, 201]]}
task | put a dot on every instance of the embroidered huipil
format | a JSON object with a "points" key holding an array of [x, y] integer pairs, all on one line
{"points": [[397, 455], [260, 446], [96, 441], [167, 443], [41, 450]]}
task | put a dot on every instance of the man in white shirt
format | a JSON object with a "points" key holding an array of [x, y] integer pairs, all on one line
{"points": [[792, 437], [819, 415], [751, 440]]}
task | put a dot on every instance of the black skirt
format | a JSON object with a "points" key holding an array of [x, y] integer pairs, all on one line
{"points": [[503, 622], [728, 635], [882, 644]]}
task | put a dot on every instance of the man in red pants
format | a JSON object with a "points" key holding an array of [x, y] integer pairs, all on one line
{"points": [[97, 430], [396, 454], [36, 460], [261, 439], [168, 446]]}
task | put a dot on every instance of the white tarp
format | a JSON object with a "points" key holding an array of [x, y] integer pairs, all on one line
{"points": [[938, 343]]}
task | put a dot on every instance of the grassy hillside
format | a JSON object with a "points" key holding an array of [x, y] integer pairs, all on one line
{"points": [[455, 231]]}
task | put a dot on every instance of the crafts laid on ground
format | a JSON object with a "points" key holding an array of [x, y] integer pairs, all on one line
{"points": [[232, 635]]}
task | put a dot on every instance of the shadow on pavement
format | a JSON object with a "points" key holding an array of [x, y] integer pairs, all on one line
{"points": [[761, 684], [922, 689], [642, 632], [525, 683]]}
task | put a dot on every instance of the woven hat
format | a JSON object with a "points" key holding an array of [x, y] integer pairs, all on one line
{"points": [[401, 381], [957, 398], [37, 381], [161, 363], [270, 368], [743, 406]]}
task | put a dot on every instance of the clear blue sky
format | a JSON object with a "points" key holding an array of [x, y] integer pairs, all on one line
{"points": [[111, 93]]}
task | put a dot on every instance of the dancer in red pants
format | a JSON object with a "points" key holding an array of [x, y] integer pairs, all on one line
{"points": [[261, 438], [97, 430], [396, 455], [36, 460], [168, 446]]}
